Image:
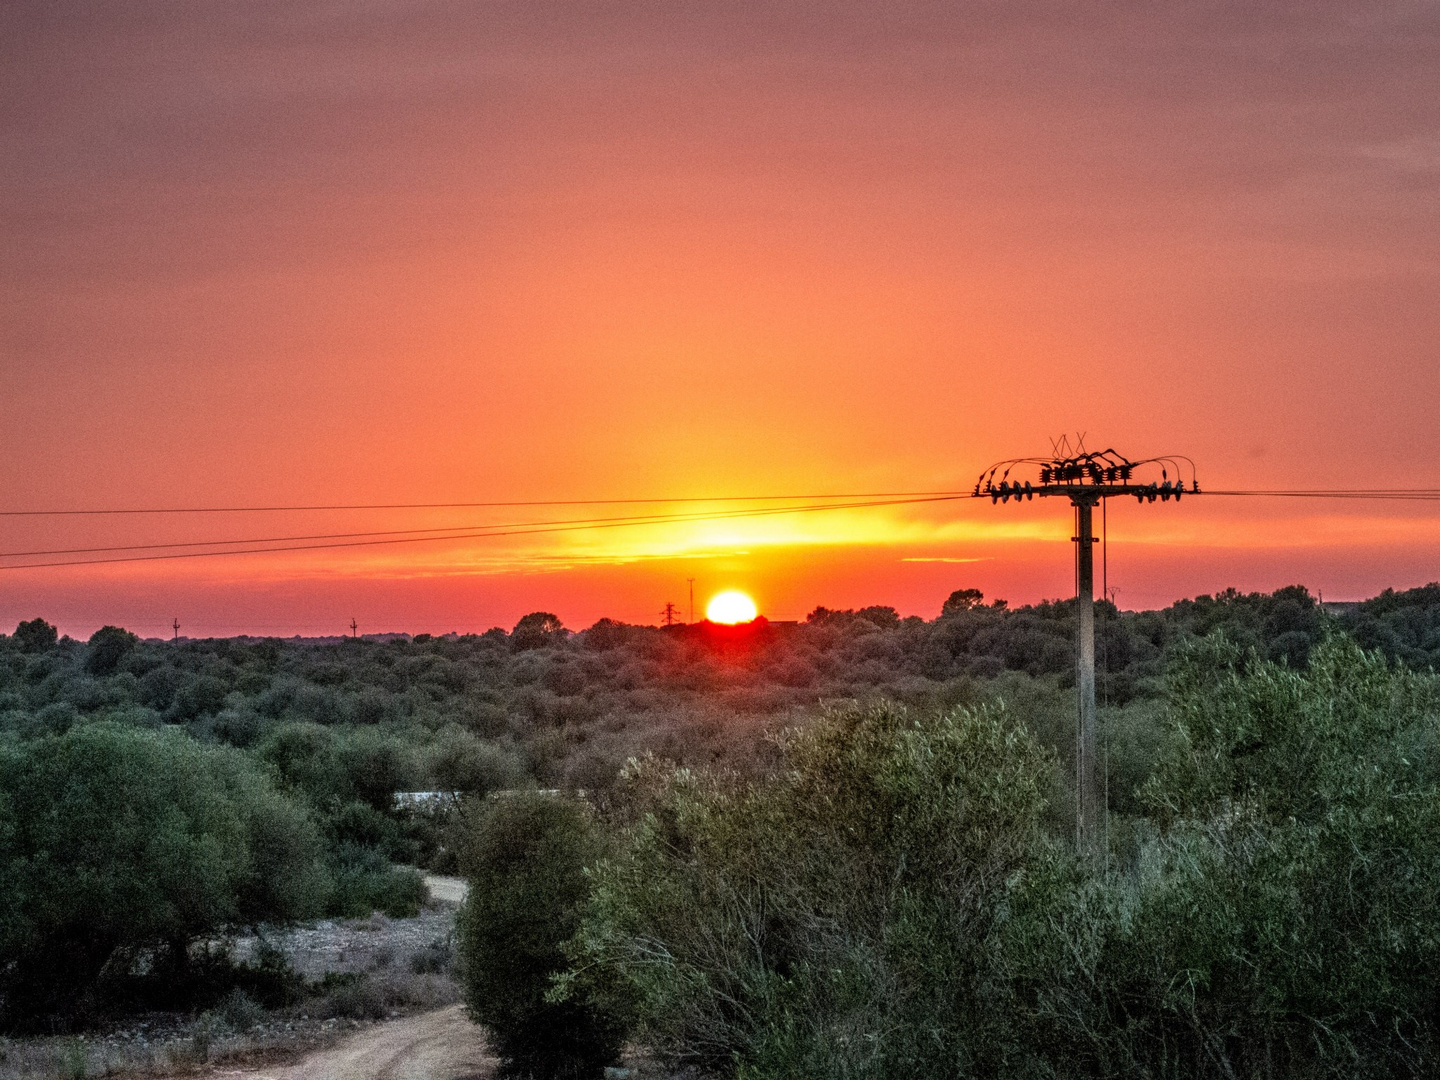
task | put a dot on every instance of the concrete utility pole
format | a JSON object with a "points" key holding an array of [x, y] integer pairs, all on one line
{"points": [[692, 598], [1085, 479], [1089, 779]]}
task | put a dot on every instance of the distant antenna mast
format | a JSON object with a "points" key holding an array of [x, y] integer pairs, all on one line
{"points": [[176, 625], [670, 613], [692, 598], [354, 628], [1085, 479]]}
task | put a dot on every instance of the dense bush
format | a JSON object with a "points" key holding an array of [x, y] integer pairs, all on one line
{"points": [[108, 646], [525, 863], [889, 904], [35, 635], [118, 845], [1281, 922], [1402, 625], [365, 882], [840, 918]]}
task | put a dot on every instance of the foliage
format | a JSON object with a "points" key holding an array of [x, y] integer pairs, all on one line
{"points": [[962, 600], [239, 1011], [340, 726], [116, 842], [525, 864], [347, 720], [1403, 625], [840, 918], [888, 903], [1293, 886], [35, 635], [365, 882], [537, 630], [108, 646]]}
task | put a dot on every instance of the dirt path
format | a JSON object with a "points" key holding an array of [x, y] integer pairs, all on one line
{"points": [[441, 1045]]}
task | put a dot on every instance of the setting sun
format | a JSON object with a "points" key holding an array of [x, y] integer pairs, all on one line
{"points": [[731, 606]]}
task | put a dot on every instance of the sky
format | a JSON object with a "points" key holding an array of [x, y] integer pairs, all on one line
{"points": [[434, 252]]}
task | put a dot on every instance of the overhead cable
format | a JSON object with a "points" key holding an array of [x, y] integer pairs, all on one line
{"points": [[98, 512], [519, 529]]}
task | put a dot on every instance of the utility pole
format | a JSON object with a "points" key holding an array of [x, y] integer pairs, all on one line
{"points": [[670, 613], [692, 598], [176, 625], [1089, 780], [1086, 479], [354, 628]]}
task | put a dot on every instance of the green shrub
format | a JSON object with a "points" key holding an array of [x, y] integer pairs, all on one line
{"points": [[239, 1011], [842, 918], [116, 842], [108, 646], [525, 861], [35, 635], [270, 978], [366, 882], [71, 1060], [1283, 921], [459, 761]]}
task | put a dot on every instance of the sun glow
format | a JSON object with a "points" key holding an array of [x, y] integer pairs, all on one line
{"points": [[731, 607]]}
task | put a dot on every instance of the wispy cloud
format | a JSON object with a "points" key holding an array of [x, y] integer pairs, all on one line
{"points": [[1420, 154], [945, 559]]}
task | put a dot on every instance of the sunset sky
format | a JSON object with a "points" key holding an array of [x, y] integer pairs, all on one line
{"points": [[423, 252]]}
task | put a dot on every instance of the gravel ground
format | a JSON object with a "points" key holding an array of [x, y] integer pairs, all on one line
{"points": [[358, 945]]}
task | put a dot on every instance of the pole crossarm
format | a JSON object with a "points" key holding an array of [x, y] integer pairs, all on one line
{"points": [[1090, 477]]}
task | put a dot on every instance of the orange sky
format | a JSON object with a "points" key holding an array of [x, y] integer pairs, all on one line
{"points": [[415, 252]]}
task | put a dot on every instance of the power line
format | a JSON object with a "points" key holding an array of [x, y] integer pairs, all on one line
{"points": [[1424, 494], [433, 533], [520, 529], [1404, 494], [462, 532], [464, 505], [466, 529]]}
